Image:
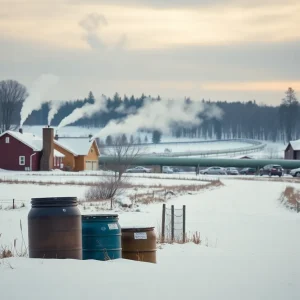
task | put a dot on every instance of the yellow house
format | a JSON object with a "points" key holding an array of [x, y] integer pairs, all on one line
{"points": [[80, 154]]}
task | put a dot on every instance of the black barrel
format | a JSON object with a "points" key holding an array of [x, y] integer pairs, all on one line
{"points": [[54, 228]]}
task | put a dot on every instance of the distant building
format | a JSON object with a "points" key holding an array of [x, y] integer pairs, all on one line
{"points": [[292, 151], [27, 152]]}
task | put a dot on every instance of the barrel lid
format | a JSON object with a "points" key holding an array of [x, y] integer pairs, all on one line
{"points": [[137, 228], [53, 201], [99, 216]]}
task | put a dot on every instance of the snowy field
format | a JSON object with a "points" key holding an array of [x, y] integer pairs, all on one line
{"points": [[72, 131], [250, 249]]}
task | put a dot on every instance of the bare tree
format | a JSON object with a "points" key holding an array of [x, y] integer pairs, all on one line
{"points": [[113, 183], [109, 188], [123, 154], [12, 95]]}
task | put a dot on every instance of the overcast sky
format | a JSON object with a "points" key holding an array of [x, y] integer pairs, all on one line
{"points": [[219, 50]]}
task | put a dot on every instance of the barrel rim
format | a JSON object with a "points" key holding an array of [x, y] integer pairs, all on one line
{"points": [[54, 201], [137, 229], [54, 198]]}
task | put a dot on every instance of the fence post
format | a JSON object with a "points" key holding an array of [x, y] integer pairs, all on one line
{"points": [[172, 223], [163, 223], [183, 223], [13, 203], [297, 206]]}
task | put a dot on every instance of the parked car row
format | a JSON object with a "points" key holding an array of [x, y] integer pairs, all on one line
{"points": [[140, 169], [270, 170]]}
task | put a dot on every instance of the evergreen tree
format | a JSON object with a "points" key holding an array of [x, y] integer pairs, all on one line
{"points": [[124, 139], [156, 137], [139, 141], [131, 139], [109, 140], [91, 98], [288, 113], [146, 139]]}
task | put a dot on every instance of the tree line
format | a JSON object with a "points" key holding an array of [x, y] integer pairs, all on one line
{"points": [[240, 120]]}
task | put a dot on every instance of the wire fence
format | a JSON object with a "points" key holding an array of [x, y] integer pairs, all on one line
{"points": [[173, 223], [6, 203]]}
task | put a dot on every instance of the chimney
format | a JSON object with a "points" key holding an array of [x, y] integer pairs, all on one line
{"points": [[56, 137], [48, 149], [21, 130]]}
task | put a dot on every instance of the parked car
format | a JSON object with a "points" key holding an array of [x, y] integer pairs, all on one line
{"points": [[177, 170], [213, 171], [232, 171], [248, 171], [139, 170], [167, 170], [271, 170], [295, 172]]}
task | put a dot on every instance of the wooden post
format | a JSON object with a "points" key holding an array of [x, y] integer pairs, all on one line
{"points": [[172, 223], [163, 223], [297, 206], [183, 224], [13, 203]]}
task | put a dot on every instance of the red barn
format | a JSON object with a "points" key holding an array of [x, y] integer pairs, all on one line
{"points": [[27, 152], [22, 151]]}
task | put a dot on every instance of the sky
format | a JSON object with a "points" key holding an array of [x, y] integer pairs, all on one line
{"points": [[233, 50]]}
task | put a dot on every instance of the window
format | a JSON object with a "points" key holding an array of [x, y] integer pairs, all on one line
{"points": [[7, 140], [21, 160]]}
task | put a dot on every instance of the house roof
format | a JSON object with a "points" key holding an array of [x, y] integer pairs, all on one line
{"points": [[295, 145], [30, 140], [77, 146]]}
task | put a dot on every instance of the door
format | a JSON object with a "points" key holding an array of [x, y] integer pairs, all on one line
{"points": [[91, 165]]}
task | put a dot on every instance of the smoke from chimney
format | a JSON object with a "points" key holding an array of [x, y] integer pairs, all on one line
{"points": [[86, 111], [36, 95], [54, 107], [161, 115]]}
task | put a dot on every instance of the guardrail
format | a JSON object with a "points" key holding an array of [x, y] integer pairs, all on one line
{"points": [[203, 153], [256, 146], [193, 142]]}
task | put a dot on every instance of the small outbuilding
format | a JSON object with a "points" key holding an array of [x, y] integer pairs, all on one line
{"points": [[292, 151]]}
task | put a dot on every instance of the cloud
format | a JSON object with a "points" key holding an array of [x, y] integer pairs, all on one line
{"points": [[200, 72], [91, 24], [187, 3]]}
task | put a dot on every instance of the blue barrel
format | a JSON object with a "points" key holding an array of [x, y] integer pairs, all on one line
{"points": [[101, 237]]}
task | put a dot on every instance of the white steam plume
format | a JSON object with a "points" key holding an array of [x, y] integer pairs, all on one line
{"points": [[86, 111], [162, 115], [54, 107], [36, 93]]}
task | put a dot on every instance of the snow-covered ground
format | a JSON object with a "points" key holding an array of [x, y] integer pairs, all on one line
{"points": [[250, 249]]}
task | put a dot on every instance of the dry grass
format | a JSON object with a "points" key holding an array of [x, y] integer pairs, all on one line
{"points": [[289, 197], [13, 251], [193, 237], [165, 192]]}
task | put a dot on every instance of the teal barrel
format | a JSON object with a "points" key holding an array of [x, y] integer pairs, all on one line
{"points": [[101, 237]]}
